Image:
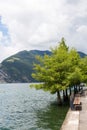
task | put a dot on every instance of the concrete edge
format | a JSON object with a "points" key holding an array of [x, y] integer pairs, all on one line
{"points": [[71, 121]]}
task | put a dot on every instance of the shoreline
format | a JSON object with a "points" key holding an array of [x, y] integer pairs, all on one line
{"points": [[71, 121], [76, 120]]}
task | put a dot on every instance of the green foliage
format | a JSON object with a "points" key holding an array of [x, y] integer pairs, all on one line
{"points": [[60, 70], [75, 78], [83, 67], [20, 66], [59, 63]]}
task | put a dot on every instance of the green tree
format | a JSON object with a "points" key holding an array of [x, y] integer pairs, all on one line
{"points": [[83, 67], [74, 72], [58, 71], [52, 70]]}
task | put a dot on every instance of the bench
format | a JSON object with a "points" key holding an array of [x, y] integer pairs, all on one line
{"points": [[77, 104]]}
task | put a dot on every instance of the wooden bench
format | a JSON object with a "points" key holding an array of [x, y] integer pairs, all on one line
{"points": [[77, 104]]}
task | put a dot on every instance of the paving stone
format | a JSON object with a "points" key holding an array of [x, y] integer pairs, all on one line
{"points": [[76, 120]]}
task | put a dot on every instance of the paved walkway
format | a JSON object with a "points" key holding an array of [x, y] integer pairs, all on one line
{"points": [[77, 120], [71, 121], [83, 113]]}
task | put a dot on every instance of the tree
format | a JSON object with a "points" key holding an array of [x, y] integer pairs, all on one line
{"points": [[75, 75], [83, 67], [58, 71], [52, 70], [78, 69]]}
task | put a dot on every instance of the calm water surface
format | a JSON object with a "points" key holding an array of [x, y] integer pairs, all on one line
{"points": [[23, 108]]}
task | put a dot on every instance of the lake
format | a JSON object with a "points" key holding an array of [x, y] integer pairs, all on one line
{"points": [[25, 108]]}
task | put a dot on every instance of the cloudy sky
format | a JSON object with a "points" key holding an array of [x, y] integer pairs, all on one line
{"points": [[40, 24]]}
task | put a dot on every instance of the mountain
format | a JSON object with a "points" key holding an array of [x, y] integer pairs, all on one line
{"points": [[19, 67], [82, 54]]}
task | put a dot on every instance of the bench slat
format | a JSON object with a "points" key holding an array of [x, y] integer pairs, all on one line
{"points": [[76, 101]]}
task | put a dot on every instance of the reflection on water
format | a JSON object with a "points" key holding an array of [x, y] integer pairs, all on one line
{"points": [[23, 108], [51, 118]]}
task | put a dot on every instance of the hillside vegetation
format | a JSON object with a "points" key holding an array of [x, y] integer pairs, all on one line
{"points": [[19, 67]]}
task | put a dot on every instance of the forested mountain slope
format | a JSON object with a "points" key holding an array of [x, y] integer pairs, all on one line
{"points": [[19, 67]]}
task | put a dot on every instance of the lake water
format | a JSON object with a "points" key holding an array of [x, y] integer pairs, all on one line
{"points": [[23, 108]]}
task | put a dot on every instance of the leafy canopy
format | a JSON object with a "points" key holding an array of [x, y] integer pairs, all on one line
{"points": [[59, 70]]}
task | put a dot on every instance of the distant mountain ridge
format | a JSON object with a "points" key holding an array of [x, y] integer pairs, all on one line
{"points": [[82, 54], [19, 67]]}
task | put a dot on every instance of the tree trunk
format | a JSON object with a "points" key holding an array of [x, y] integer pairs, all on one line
{"points": [[64, 97], [79, 88], [67, 98], [74, 90], [66, 93], [70, 90], [59, 98]]}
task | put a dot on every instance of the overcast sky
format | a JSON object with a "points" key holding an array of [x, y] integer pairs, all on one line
{"points": [[40, 24]]}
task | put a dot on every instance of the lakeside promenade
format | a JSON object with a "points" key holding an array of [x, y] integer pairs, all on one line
{"points": [[77, 120]]}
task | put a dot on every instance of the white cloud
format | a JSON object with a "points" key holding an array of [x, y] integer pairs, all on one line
{"points": [[1, 35], [39, 24], [82, 29]]}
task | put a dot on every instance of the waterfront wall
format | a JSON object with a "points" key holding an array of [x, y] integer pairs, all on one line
{"points": [[71, 121]]}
